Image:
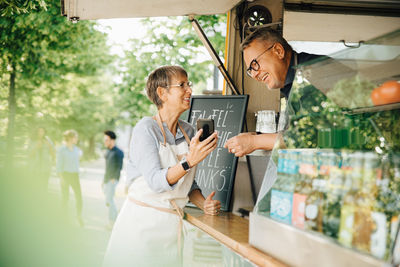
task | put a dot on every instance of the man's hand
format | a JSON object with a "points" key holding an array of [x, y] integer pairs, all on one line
{"points": [[241, 144], [211, 206]]}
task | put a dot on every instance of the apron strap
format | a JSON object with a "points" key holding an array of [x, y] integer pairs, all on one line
{"points": [[184, 134], [144, 204], [177, 211], [158, 119], [181, 215], [159, 122]]}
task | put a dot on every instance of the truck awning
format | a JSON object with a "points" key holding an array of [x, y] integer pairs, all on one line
{"points": [[106, 9]]}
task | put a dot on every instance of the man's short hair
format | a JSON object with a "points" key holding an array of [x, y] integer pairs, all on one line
{"points": [[110, 134], [265, 34]]}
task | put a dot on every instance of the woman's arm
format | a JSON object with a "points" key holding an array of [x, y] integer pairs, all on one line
{"points": [[208, 205], [197, 152], [144, 158]]}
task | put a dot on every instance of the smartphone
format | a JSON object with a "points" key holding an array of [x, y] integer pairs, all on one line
{"points": [[208, 127]]}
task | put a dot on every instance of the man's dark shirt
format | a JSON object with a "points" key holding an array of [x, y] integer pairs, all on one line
{"points": [[114, 157], [301, 59]]}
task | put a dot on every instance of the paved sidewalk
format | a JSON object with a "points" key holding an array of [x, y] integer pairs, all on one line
{"points": [[95, 233]]}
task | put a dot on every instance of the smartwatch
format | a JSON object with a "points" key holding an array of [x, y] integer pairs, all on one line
{"points": [[185, 164]]}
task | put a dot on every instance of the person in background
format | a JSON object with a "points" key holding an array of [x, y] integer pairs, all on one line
{"points": [[272, 61], [42, 154], [67, 166], [163, 155], [114, 158]]}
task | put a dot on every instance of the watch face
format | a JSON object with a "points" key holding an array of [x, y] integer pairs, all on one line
{"points": [[185, 165]]}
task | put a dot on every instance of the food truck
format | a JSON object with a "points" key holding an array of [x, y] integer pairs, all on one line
{"points": [[336, 199]]}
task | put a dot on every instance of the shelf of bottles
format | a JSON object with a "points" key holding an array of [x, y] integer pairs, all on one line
{"points": [[350, 196], [338, 161]]}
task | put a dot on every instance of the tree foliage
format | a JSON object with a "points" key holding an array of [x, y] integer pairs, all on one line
{"points": [[171, 41], [16, 7], [61, 74], [56, 67]]}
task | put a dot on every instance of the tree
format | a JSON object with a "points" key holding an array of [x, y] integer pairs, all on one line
{"points": [[44, 59], [43, 54], [171, 41], [9, 8]]}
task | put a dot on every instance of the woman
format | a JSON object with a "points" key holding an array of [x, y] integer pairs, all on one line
{"points": [[68, 170], [162, 162]]}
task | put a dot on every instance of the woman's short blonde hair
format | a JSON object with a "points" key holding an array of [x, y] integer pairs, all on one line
{"points": [[161, 77], [69, 134]]}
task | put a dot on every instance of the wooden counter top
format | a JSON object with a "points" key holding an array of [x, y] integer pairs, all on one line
{"points": [[232, 231]]}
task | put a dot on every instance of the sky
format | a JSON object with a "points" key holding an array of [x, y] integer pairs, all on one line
{"points": [[120, 31]]}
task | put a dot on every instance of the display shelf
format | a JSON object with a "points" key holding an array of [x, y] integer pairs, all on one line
{"points": [[372, 109], [300, 248], [348, 77], [337, 166]]}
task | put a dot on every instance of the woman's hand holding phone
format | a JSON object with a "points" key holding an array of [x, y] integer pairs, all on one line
{"points": [[208, 127], [198, 150]]}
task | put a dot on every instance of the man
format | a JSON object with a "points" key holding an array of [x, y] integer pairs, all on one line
{"points": [[270, 60], [114, 158]]}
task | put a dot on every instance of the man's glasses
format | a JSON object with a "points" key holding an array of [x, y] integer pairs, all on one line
{"points": [[182, 85], [254, 65]]}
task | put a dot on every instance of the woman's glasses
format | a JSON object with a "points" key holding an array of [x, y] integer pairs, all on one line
{"points": [[182, 85]]}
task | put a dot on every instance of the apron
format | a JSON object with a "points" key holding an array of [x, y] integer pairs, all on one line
{"points": [[148, 229]]}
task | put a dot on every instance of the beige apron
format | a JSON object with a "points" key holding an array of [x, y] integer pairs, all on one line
{"points": [[148, 229]]}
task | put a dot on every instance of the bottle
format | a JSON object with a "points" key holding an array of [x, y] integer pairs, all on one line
{"points": [[303, 187], [313, 207], [392, 206], [291, 169], [367, 222], [352, 170], [282, 190], [334, 195], [314, 202], [377, 187]]}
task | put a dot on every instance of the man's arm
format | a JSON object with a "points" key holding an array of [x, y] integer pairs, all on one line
{"points": [[115, 166], [246, 143]]}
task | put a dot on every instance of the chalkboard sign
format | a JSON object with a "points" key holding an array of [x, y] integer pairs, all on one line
{"points": [[217, 171]]}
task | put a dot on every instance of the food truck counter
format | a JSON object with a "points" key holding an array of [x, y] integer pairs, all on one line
{"points": [[233, 232]]}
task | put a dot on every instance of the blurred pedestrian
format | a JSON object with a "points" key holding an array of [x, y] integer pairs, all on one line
{"points": [[41, 157], [114, 158], [68, 156]]}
